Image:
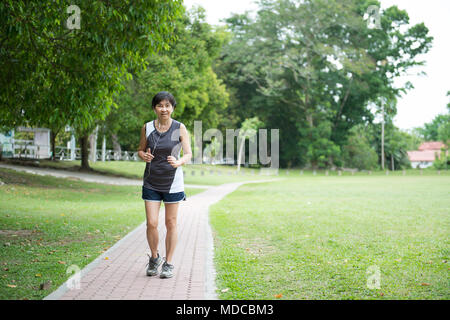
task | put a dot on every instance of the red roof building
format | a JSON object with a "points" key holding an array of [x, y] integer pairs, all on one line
{"points": [[421, 156], [432, 145], [427, 153]]}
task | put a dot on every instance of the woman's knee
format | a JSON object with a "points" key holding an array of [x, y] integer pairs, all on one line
{"points": [[152, 224], [171, 224]]}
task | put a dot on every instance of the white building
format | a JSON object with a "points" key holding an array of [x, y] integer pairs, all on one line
{"points": [[38, 148], [427, 153]]}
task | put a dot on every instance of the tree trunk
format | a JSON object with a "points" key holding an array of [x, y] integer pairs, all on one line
{"points": [[52, 142], [93, 145], [309, 119], [115, 141], [116, 146], [84, 152], [392, 162]]}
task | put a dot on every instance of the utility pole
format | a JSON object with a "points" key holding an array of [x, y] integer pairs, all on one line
{"points": [[382, 63], [382, 134]]}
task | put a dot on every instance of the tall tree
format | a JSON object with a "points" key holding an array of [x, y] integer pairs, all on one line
{"points": [[396, 145], [186, 71], [53, 74], [248, 130], [315, 66], [439, 128], [359, 152]]}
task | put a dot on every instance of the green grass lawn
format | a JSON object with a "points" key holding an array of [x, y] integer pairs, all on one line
{"points": [[305, 237], [48, 224], [316, 237]]}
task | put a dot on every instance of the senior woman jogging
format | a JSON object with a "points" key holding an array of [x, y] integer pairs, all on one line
{"points": [[160, 145]]}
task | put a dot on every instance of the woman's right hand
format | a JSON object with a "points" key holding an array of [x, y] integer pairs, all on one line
{"points": [[148, 157]]}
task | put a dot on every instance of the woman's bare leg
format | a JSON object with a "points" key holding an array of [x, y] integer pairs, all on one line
{"points": [[171, 226], [152, 213]]}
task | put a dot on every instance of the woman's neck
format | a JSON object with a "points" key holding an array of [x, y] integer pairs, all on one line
{"points": [[163, 123]]}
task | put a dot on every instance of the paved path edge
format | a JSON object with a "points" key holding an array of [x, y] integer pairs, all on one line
{"points": [[210, 272], [62, 289]]}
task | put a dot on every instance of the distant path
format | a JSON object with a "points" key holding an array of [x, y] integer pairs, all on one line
{"points": [[88, 177]]}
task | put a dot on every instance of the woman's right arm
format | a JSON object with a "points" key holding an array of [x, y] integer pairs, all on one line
{"points": [[142, 145]]}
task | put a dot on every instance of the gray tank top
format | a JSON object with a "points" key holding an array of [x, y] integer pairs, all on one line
{"points": [[159, 175]]}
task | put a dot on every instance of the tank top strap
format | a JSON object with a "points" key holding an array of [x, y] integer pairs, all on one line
{"points": [[149, 127]]}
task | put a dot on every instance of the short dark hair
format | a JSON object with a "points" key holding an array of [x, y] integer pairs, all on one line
{"points": [[163, 95]]}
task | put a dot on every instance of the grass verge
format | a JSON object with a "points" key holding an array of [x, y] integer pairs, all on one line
{"points": [[48, 224], [334, 238]]}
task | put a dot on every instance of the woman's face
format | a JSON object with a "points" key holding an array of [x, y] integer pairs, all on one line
{"points": [[163, 109]]}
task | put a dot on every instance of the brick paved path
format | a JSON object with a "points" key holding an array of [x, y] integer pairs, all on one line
{"points": [[119, 273]]}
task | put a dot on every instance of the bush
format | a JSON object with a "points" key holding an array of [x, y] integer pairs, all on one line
{"points": [[443, 162], [358, 153]]}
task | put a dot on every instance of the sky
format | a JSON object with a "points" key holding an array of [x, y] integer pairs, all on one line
{"points": [[428, 98]]}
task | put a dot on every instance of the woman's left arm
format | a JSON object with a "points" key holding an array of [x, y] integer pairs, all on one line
{"points": [[186, 145]]}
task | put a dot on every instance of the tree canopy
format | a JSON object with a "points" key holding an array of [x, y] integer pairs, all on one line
{"points": [[439, 128], [54, 76], [313, 67], [186, 71]]}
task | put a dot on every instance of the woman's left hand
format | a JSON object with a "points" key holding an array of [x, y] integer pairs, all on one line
{"points": [[173, 161]]}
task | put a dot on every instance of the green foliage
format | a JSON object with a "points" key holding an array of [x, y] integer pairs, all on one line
{"points": [[444, 129], [321, 151], [442, 161], [52, 76], [249, 129], [438, 129], [396, 145], [413, 139], [186, 71], [444, 132], [251, 124], [358, 152], [298, 64]]}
